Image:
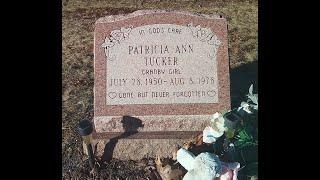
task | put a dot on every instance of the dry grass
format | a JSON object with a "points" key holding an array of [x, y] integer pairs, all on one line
{"points": [[78, 19]]}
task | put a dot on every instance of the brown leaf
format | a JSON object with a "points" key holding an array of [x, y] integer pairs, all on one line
{"points": [[166, 172], [174, 154], [199, 140], [175, 174]]}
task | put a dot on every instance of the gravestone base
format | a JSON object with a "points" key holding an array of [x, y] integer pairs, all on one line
{"points": [[145, 141], [136, 149]]}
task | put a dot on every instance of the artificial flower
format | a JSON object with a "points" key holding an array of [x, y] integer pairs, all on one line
{"points": [[218, 126], [229, 171]]}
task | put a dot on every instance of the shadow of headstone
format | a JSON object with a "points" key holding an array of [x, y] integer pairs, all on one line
{"points": [[130, 126]]}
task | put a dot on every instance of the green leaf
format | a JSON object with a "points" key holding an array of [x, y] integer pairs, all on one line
{"points": [[237, 143], [241, 135]]}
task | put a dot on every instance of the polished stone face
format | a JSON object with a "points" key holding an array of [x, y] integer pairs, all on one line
{"points": [[161, 64], [166, 72], [158, 78]]}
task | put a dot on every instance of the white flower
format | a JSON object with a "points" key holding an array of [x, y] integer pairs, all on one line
{"points": [[245, 107], [216, 115], [218, 126], [208, 135]]}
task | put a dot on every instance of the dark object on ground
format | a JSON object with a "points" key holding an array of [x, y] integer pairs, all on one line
{"points": [[130, 126], [85, 130]]}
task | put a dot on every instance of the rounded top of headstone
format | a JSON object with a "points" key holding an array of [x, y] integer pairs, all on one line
{"points": [[113, 18], [85, 127]]}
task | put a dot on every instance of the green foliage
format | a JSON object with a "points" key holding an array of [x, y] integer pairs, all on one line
{"points": [[247, 131], [244, 136]]}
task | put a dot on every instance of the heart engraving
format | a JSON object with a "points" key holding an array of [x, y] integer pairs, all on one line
{"points": [[211, 93], [112, 95]]}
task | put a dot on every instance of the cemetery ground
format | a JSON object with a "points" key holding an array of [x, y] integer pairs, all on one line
{"points": [[78, 18]]}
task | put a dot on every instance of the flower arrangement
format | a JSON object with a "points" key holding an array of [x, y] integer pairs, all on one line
{"points": [[234, 134]]}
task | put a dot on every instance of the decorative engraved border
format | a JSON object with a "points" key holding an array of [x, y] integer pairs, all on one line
{"points": [[205, 35], [115, 37], [202, 34]]}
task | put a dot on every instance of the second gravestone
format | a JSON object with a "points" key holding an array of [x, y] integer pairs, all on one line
{"points": [[159, 77]]}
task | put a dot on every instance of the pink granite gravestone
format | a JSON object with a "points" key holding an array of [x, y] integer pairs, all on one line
{"points": [[159, 77]]}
